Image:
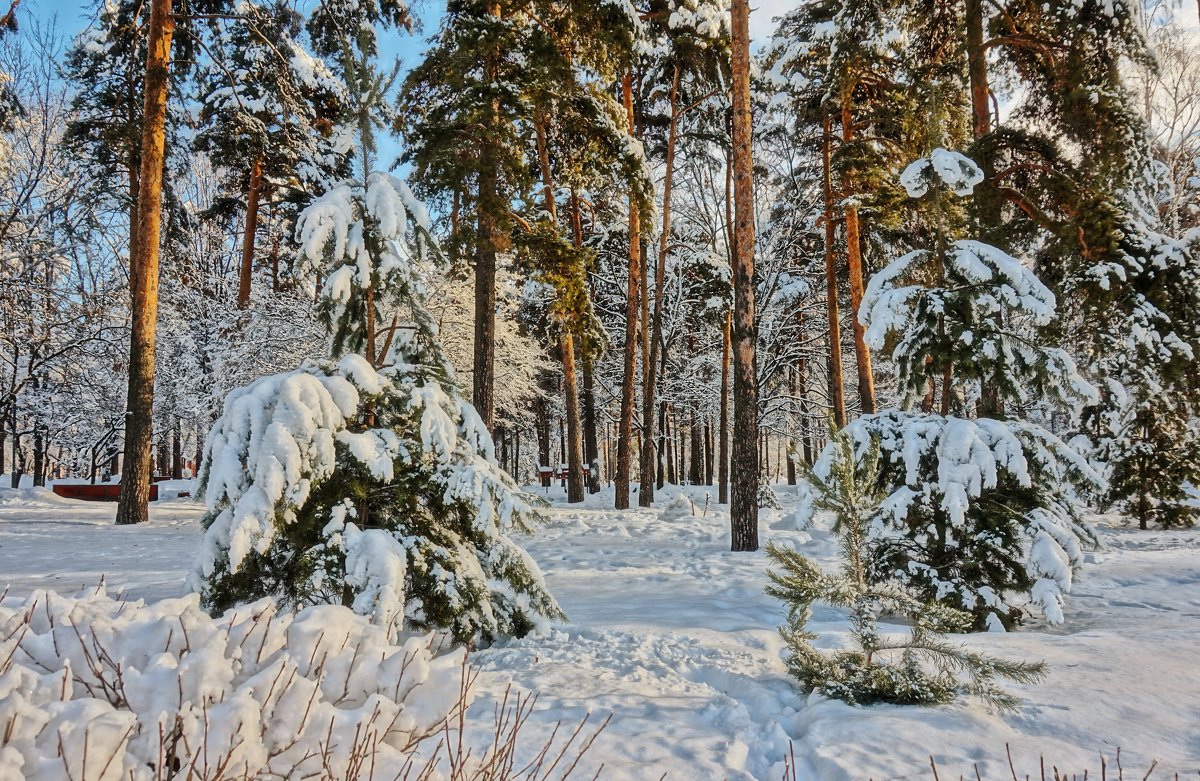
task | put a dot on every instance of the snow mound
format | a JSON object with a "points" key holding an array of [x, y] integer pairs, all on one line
{"points": [[97, 689], [680, 506]]}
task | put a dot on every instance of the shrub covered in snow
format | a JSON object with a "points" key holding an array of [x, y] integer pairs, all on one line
{"points": [[977, 514], [368, 481], [913, 664], [95, 689]]}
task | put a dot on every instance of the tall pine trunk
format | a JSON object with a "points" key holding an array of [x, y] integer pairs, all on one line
{"points": [[862, 355], [837, 392], [139, 409], [591, 452], [625, 425], [247, 268], [483, 379], [723, 433], [743, 514], [650, 454], [566, 343]]}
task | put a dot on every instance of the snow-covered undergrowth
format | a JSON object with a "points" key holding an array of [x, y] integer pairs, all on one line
{"points": [[97, 689], [675, 636]]}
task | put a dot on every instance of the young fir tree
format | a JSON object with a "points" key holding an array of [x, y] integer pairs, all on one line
{"points": [[912, 665], [980, 513], [368, 481]]}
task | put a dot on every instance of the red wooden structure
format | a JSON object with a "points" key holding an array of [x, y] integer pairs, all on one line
{"points": [[101, 492]]}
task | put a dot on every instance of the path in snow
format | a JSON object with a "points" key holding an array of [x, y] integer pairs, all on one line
{"points": [[674, 635]]}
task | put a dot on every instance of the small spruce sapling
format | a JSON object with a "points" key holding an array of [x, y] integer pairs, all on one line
{"points": [[914, 667]]}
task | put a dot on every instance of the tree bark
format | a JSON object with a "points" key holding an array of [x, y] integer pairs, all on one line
{"points": [[483, 378], [723, 434], [862, 355], [650, 454], [566, 342], [247, 268], [176, 453], [625, 426], [39, 455], [743, 515], [696, 462], [133, 506], [708, 452], [574, 443], [591, 452], [542, 427], [837, 392], [794, 392]]}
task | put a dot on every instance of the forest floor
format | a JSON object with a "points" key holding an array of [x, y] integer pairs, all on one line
{"points": [[673, 635]]}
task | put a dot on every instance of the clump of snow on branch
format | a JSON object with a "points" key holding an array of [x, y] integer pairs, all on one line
{"points": [[982, 310], [104, 690], [336, 246], [953, 169]]}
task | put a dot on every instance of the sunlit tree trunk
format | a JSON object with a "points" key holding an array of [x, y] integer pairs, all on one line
{"points": [[566, 342], [139, 409], [247, 268], [862, 355], [625, 425], [837, 392], [743, 514]]}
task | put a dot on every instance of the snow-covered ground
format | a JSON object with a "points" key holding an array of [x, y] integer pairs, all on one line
{"points": [[673, 634]]}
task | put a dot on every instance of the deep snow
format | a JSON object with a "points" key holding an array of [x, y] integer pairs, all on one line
{"points": [[674, 635]]}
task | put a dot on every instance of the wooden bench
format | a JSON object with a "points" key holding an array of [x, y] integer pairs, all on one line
{"points": [[101, 492]]}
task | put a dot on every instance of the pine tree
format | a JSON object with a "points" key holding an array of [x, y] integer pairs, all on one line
{"points": [[373, 483], [1070, 177], [914, 667], [743, 504], [464, 126], [268, 110], [10, 105], [980, 514]]}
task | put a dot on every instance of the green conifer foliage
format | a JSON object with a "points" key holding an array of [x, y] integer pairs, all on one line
{"points": [[369, 483], [981, 514], [367, 480], [907, 663], [265, 98]]}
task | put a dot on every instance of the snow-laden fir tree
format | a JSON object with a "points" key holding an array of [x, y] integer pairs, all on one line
{"points": [[909, 664], [980, 514], [368, 480]]}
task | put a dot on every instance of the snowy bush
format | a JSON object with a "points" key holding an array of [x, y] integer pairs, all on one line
{"points": [[913, 664], [977, 514], [94, 689], [368, 481]]}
